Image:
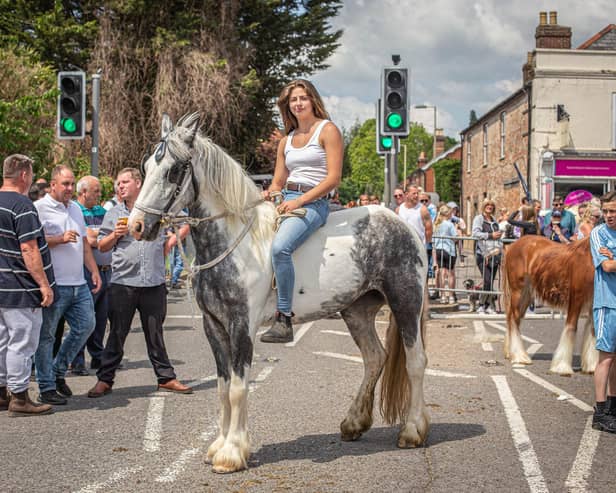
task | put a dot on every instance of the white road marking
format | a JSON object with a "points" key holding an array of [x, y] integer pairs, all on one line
{"points": [[521, 440], [533, 348], [336, 332], [154, 424], [553, 388], [300, 333], [114, 478], [209, 378], [170, 474], [502, 328], [265, 372], [429, 371], [580, 470], [482, 335], [487, 346]]}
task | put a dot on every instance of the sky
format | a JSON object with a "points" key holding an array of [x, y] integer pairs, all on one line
{"points": [[462, 54]]}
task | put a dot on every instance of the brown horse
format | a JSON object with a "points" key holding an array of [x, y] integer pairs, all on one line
{"points": [[562, 277]]}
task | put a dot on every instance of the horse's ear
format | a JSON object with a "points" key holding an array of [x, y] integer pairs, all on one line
{"points": [[166, 126], [191, 123]]}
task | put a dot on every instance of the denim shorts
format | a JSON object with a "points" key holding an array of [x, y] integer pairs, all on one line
{"points": [[605, 329]]}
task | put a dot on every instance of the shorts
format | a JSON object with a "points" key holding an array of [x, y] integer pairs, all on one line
{"points": [[444, 260], [605, 329]]}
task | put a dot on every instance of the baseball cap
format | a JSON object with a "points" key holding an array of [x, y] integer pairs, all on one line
{"points": [[452, 205]]}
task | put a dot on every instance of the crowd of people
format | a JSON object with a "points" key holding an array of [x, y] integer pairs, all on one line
{"points": [[67, 258]]}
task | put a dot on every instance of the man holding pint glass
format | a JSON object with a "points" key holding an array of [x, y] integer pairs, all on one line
{"points": [[137, 283]]}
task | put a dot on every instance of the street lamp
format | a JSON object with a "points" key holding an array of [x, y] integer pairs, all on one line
{"points": [[425, 107]]}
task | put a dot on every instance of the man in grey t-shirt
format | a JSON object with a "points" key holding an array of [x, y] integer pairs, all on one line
{"points": [[137, 283]]}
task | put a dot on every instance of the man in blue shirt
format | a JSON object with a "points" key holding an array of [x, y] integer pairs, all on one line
{"points": [[603, 249], [567, 219]]}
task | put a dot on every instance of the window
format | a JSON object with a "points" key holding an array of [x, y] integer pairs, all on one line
{"points": [[502, 135], [485, 144], [468, 152]]}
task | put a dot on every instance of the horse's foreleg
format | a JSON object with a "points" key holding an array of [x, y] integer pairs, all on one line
{"points": [[519, 302], [360, 317], [233, 455], [563, 356], [223, 420], [590, 355]]}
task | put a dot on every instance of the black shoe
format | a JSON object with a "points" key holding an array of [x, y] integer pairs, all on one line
{"points": [[434, 296], [604, 422], [63, 389], [281, 330], [52, 397], [80, 371], [95, 364]]}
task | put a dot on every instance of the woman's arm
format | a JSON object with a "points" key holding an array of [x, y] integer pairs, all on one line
{"points": [[280, 171]]}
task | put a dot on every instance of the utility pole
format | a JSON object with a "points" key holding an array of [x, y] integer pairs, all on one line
{"points": [[96, 96]]}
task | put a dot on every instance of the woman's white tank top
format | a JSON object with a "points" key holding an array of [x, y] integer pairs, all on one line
{"points": [[307, 165]]}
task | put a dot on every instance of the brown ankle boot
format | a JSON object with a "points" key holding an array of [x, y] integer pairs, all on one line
{"points": [[21, 405], [4, 399]]}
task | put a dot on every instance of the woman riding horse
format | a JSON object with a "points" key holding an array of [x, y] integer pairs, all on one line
{"points": [[308, 167]]}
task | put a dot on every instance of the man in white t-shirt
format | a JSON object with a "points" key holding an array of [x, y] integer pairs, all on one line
{"points": [[65, 233], [417, 215]]}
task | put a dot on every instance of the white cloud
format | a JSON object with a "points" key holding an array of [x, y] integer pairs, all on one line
{"points": [[462, 55]]}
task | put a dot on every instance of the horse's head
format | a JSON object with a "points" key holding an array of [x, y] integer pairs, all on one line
{"points": [[169, 184]]}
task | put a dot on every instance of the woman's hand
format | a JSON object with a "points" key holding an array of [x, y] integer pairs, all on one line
{"points": [[288, 206]]}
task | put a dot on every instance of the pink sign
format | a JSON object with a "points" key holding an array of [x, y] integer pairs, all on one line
{"points": [[585, 167]]}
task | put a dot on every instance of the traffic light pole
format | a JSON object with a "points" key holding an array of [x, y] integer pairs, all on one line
{"points": [[391, 176], [96, 96]]}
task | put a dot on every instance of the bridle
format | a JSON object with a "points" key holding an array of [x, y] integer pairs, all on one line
{"points": [[176, 175]]}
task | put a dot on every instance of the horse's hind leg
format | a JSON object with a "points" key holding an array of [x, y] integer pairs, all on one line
{"points": [[402, 387], [590, 355], [360, 318], [520, 299]]}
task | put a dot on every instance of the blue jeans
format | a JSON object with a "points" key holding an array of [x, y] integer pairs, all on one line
{"points": [[176, 265], [76, 305], [292, 233], [96, 341]]}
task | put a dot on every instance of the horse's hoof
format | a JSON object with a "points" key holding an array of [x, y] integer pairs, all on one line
{"points": [[521, 360], [562, 369], [351, 430], [226, 470], [350, 436], [414, 435]]}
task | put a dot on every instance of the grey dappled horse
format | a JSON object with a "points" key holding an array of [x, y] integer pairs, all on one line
{"points": [[360, 260]]}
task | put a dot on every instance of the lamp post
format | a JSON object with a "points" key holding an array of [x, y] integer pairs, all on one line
{"points": [[425, 107]]}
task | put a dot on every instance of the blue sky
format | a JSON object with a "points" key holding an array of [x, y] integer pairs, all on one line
{"points": [[462, 54]]}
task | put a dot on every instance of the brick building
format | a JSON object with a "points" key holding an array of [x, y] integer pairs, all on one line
{"points": [[559, 128]]}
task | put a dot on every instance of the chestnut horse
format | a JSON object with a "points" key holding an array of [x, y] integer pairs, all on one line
{"points": [[559, 275]]}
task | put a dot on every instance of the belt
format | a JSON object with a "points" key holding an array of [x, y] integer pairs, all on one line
{"points": [[297, 187], [104, 268]]}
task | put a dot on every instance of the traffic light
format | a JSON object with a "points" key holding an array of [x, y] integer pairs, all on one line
{"points": [[384, 143], [71, 121], [394, 115]]}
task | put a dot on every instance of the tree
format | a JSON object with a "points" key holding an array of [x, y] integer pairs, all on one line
{"points": [[447, 179], [472, 119]]}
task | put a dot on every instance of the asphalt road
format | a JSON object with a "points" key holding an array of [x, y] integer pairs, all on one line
{"points": [[494, 427]]}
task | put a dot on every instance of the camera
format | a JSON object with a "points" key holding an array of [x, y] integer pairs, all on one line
{"points": [[455, 219]]}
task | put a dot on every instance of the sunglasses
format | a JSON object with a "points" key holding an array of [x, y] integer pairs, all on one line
{"points": [[424, 201], [398, 195], [557, 204]]}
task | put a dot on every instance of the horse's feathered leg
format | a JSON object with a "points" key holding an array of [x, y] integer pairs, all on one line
{"points": [[590, 355], [360, 318], [230, 451], [518, 294], [562, 361]]}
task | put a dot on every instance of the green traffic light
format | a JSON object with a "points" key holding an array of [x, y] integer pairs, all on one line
{"points": [[387, 142], [394, 120], [68, 125]]}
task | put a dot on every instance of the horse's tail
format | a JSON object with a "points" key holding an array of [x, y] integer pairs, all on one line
{"points": [[395, 383], [506, 286]]}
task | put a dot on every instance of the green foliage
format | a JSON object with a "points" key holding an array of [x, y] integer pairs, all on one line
{"points": [[447, 179], [27, 106]]}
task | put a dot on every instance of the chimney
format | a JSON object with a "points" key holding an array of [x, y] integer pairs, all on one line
{"points": [[527, 69], [439, 146], [421, 161], [552, 35], [553, 15]]}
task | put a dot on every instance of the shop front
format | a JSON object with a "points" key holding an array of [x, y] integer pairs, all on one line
{"points": [[574, 176]]}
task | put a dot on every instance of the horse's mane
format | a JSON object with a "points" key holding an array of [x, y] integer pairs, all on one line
{"points": [[222, 180]]}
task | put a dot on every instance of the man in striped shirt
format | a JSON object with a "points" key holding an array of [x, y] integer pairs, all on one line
{"points": [[26, 282]]}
